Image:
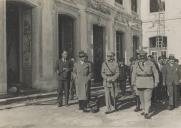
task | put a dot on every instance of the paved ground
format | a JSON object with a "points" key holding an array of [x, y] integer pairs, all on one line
{"points": [[48, 115]]}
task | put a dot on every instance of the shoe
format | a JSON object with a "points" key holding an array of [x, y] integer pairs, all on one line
{"points": [[86, 110], [59, 105], [137, 109], [170, 107], [66, 105], [108, 112], [147, 116], [142, 113]]}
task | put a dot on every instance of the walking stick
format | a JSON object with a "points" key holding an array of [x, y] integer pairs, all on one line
{"points": [[114, 96]]}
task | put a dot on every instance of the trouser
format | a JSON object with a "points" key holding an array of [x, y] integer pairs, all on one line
{"points": [[110, 98], [145, 95], [172, 93], [72, 89], [138, 102], [159, 93], [63, 87], [83, 104]]}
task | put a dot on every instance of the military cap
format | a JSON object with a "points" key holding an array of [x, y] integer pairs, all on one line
{"points": [[171, 57], [141, 52], [160, 57], [131, 59], [109, 53], [81, 54]]}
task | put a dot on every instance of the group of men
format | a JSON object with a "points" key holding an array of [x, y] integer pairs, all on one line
{"points": [[78, 75], [74, 75], [155, 81], [151, 81]]}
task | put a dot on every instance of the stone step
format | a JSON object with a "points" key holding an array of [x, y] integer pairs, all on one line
{"points": [[11, 100]]}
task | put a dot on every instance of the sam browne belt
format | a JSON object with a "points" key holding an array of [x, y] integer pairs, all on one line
{"points": [[144, 75]]}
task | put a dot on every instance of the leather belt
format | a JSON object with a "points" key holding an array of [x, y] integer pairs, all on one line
{"points": [[144, 75], [109, 74]]}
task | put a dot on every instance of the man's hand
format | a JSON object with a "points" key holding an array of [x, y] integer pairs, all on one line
{"points": [[109, 80], [58, 72], [156, 84], [180, 81]]}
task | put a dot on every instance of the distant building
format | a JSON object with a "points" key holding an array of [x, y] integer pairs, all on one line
{"points": [[161, 23], [33, 33]]}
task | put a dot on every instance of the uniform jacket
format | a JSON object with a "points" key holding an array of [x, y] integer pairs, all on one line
{"points": [[179, 71], [107, 74], [171, 75], [64, 69], [82, 75], [145, 76]]}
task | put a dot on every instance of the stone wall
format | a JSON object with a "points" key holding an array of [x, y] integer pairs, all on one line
{"points": [[45, 33]]}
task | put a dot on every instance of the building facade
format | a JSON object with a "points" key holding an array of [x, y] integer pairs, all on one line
{"points": [[161, 27], [34, 33]]}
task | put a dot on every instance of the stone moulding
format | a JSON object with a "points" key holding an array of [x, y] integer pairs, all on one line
{"points": [[128, 20], [72, 2], [99, 6]]}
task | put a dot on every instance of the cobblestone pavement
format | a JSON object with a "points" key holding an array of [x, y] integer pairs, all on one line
{"points": [[48, 115]]}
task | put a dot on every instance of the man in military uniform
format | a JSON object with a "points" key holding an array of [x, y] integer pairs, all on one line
{"points": [[63, 69], [171, 80], [137, 98], [82, 74], [145, 77], [110, 73]]}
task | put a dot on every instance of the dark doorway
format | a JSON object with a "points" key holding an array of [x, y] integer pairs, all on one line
{"points": [[119, 46], [19, 44], [98, 51], [135, 45], [66, 34]]}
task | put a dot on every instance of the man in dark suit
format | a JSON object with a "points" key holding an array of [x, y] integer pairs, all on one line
{"points": [[63, 69], [171, 79]]}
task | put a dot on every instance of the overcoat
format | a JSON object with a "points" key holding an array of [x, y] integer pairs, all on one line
{"points": [[82, 75], [171, 75]]}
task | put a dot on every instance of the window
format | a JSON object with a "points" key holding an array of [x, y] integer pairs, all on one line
{"points": [[134, 5], [119, 1], [157, 5], [158, 42]]}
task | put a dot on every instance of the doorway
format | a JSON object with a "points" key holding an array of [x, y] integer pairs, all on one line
{"points": [[135, 46], [98, 51], [120, 46], [19, 44], [66, 34]]}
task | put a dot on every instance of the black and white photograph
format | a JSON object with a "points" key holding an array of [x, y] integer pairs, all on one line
{"points": [[90, 64]]}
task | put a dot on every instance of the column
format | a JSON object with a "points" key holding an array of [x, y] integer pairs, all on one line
{"points": [[128, 45], [83, 30], [3, 64], [111, 44], [47, 79], [36, 47]]}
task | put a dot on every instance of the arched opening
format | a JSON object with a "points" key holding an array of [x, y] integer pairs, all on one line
{"points": [[66, 30], [135, 45], [19, 44], [98, 51]]}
